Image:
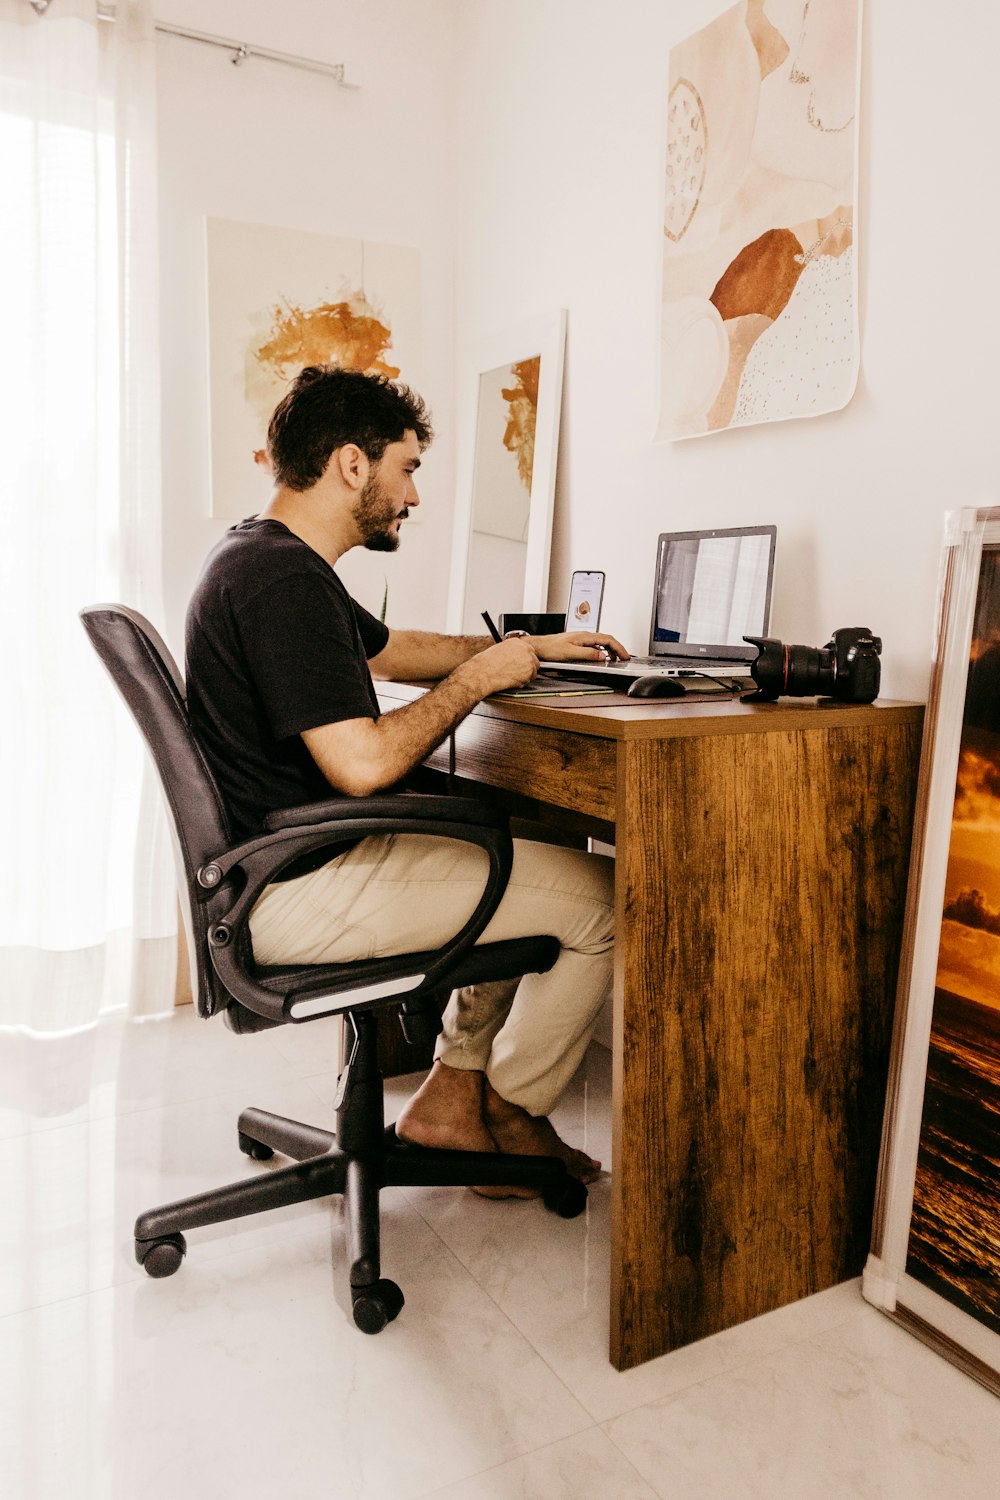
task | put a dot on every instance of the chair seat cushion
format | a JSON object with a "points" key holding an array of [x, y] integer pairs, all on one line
{"points": [[505, 960]]}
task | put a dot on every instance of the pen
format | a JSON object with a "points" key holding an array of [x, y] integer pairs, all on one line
{"points": [[494, 632]]}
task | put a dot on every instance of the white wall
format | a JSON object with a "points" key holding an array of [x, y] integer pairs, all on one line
{"points": [[274, 145], [559, 135], [517, 144]]}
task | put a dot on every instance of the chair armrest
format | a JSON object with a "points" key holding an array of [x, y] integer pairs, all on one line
{"points": [[413, 804], [295, 831]]}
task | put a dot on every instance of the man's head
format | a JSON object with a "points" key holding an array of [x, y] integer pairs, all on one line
{"points": [[327, 409]]}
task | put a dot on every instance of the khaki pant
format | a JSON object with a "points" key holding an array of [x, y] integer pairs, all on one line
{"points": [[397, 893]]}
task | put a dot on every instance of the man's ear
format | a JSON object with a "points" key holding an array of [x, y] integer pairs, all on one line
{"points": [[352, 464]]}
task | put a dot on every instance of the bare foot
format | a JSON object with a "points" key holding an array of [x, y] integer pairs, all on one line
{"points": [[518, 1133], [446, 1113]]}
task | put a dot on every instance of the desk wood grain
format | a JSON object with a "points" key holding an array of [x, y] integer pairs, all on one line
{"points": [[762, 855], [759, 913]]}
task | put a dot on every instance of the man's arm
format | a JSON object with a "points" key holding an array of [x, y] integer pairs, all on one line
{"points": [[421, 656], [362, 756]]}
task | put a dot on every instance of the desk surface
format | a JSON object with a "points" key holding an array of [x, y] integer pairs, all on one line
{"points": [[672, 718], [572, 757], [761, 866]]}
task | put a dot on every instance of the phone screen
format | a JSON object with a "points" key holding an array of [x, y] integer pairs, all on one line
{"points": [[584, 609]]}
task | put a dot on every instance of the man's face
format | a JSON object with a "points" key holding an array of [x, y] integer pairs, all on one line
{"points": [[388, 493]]}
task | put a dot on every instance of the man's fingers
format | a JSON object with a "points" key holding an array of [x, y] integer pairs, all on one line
{"points": [[587, 644], [606, 645]]}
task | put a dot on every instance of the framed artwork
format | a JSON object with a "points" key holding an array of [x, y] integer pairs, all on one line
{"points": [[281, 299], [935, 1261], [759, 288], [509, 433]]}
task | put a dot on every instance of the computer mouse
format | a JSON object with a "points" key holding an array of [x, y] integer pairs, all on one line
{"points": [[656, 687]]}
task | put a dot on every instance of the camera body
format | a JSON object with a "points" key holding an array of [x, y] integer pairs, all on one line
{"points": [[846, 668]]}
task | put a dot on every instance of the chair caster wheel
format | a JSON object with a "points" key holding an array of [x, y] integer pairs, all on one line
{"points": [[567, 1198], [161, 1257], [375, 1306], [254, 1149]]}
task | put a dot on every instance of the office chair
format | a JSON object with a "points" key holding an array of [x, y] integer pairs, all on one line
{"points": [[218, 883]]}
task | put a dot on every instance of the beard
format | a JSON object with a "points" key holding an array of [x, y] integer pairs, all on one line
{"points": [[375, 514]]}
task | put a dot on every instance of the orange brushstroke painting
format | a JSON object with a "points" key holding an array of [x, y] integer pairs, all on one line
{"points": [[522, 415], [346, 333]]}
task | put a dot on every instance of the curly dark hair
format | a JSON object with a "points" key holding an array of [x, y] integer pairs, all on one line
{"points": [[326, 407]]}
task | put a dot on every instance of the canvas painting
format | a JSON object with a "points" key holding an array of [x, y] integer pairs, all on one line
{"points": [[759, 286], [281, 299], [935, 1259], [954, 1240]]}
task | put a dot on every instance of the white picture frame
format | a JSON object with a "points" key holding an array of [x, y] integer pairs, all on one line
{"points": [[490, 475], [935, 1260]]}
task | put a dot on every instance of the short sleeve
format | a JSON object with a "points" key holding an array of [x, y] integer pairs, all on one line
{"points": [[374, 635], [305, 653]]}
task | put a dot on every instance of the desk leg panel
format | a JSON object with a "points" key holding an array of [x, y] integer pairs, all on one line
{"points": [[760, 884]]}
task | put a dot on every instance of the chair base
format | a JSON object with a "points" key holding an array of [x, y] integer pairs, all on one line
{"points": [[357, 1161]]}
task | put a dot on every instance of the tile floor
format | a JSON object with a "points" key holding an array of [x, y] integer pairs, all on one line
{"points": [[243, 1376]]}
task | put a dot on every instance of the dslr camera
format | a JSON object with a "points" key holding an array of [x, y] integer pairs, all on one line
{"points": [[847, 667]]}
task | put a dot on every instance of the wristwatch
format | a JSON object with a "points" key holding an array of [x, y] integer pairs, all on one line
{"points": [[512, 635]]}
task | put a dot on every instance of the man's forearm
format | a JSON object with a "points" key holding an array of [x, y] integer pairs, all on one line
{"points": [[367, 756], [406, 736], [362, 756], [423, 656]]}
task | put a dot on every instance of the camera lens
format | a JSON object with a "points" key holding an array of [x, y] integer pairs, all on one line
{"points": [[791, 671], [810, 670]]}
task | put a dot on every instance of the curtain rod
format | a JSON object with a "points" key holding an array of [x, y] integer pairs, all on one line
{"points": [[242, 50]]}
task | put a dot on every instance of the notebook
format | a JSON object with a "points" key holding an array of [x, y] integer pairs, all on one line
{"points": [[711, 589]]}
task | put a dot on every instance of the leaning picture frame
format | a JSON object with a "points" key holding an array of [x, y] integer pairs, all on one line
{"points": [[510, 394], [935, 1259]]}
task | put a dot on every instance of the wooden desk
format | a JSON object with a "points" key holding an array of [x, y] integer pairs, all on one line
{"points": [[761, 869]]}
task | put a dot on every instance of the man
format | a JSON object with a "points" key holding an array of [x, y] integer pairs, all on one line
{"points": [[280, 662]]}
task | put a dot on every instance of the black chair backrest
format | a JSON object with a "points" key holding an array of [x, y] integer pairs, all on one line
{"points": [[147, 677]]}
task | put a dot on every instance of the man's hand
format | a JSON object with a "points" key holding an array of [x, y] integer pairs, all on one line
{"points": [[508, 664], [579, 645]]}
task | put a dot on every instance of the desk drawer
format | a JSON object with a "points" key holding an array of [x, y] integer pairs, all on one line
{"points": [[564, 770]]}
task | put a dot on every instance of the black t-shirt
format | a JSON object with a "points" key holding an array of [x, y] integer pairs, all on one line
{"points": [[274, 645]]}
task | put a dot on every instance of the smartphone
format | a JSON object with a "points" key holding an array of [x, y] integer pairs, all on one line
{"points": [[586, 591]]}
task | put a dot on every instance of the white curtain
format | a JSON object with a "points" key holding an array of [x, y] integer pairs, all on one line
{"points": [[87, 908]]}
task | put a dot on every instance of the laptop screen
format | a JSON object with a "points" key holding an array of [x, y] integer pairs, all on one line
{"points": [[712, 589]]}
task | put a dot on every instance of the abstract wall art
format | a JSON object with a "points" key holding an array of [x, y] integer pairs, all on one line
{"points": [[759, 284], [281, 299], [935, 1260]]}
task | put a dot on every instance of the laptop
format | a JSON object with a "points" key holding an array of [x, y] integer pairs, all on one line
{"points": [[711, 589]]}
